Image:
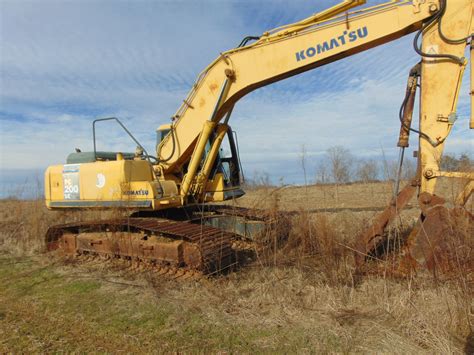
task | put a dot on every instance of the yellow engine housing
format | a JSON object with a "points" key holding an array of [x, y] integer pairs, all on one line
{"points": [[105, 184]]}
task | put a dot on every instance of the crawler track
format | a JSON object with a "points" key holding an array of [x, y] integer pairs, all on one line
{"points": [[154, 241]]}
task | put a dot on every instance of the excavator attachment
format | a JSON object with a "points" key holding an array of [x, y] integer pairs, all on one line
{"points": [[441, 241], [373, 241]]}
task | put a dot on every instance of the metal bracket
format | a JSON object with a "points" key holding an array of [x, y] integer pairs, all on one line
{"points": [[188, 104], [450, 174], [451, 118], [442, 118], [416, 5], [224, 57]]}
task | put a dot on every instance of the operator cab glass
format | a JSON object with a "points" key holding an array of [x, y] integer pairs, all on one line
{"points": [[227, 161], [162, 132]]}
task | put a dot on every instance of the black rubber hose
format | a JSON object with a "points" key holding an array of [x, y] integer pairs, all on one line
{"points": [[174, 147], [247, 39], [440, 30], [418, 50], [402, 110], [152, 157]]}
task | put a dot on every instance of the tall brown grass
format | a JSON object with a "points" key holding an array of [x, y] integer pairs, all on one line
{"points": [[304, 274], [23, 223]]}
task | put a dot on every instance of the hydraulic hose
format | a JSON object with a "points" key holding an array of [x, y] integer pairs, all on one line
{"points": [[440, 30], [247, 39], [173, 149], [436, 17], [415, 71]]}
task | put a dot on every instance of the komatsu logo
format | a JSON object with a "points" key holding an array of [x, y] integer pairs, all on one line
{"points": [[325, 46], [140, 192]]}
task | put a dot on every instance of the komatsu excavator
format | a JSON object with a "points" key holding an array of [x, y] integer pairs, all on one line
{"points": [[166, 192]]}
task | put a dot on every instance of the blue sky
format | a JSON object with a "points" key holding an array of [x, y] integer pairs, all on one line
{"points": [[64, 63]]}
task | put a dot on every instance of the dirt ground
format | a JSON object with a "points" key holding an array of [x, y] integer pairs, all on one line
{"points": [[306, 299]]}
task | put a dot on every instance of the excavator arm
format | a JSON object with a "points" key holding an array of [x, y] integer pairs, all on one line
{"points": [[443, 65], [318, 40]]}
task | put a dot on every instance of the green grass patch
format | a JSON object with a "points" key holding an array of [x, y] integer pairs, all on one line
{"points": [[48, 307]]}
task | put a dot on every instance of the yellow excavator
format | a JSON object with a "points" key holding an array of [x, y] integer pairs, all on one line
{"points": [[173, 221]]}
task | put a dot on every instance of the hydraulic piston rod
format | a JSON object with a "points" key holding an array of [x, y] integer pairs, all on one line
{"points": [[406, 116], [471, 123]]}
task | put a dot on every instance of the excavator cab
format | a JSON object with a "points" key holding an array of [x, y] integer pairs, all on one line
{"points": [[228, 161], [162, 132], [225, 177]]}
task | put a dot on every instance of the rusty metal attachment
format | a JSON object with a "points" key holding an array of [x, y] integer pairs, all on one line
{"points": [[441, 241], [373, 238]]}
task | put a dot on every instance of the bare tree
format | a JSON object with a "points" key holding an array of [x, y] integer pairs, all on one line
{"points": [[409, 169], [367, 170], [340, 160], [260, 179], [449, 162], [303, 163], [465, 162], [322, 177], [322, 173]]}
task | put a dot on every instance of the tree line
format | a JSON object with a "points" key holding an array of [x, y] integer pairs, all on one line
{"points": [[340, 166]]}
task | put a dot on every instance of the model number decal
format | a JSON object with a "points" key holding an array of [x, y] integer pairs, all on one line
{"points": [[69, 188], [71, 182]]}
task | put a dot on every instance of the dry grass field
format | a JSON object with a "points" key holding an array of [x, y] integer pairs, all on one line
{"points": [[306, 298]]}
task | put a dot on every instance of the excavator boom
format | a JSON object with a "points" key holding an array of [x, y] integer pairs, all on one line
{"points": [[281, 55]]}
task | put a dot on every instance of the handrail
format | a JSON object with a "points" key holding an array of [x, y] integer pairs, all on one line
{"points": [[124, 128]]}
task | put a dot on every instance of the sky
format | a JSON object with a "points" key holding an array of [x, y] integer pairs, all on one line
{"points": [[65, 63]]}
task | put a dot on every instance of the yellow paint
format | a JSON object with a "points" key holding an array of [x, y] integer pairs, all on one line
{"points": [[199, 186], [207, 129], [120, 180], [441, 82], [274, 58], [215, 189]]}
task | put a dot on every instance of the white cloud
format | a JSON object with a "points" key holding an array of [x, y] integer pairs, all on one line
{"points": [[65, 63]]}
